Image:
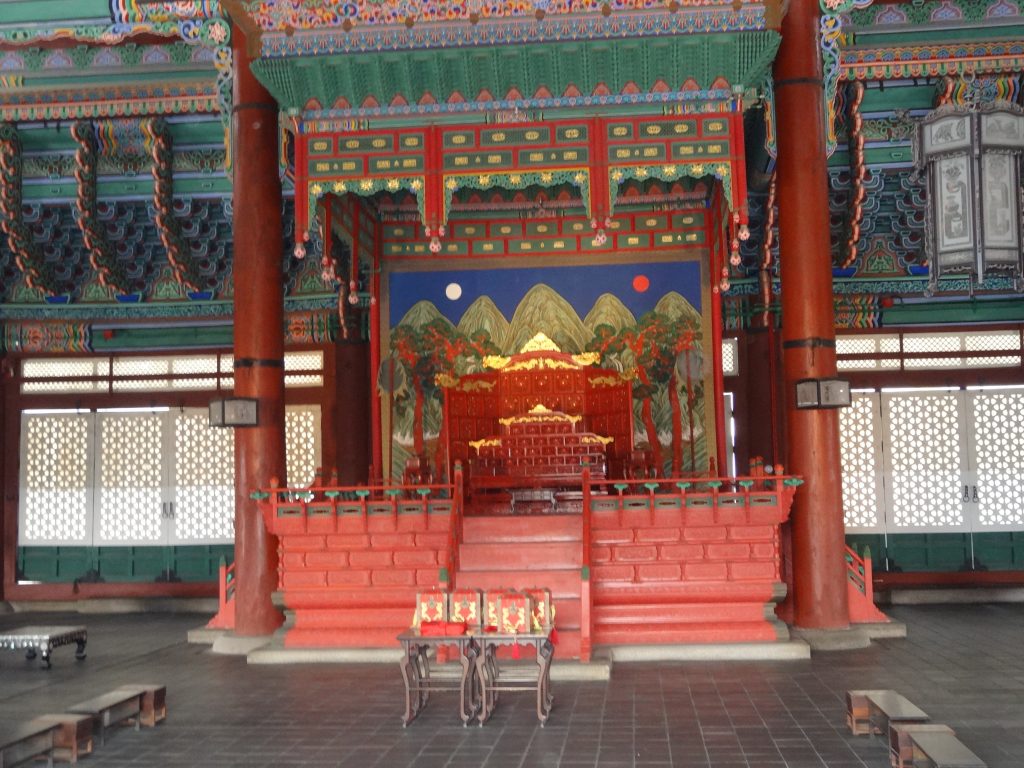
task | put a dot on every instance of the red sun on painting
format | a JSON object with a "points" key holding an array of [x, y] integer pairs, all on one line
{"points": [[641, 283]]}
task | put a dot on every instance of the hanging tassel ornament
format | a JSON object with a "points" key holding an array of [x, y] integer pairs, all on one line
{"points": [[353, 297], [300, 248]]}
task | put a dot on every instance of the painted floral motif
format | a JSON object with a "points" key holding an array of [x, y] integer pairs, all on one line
{"points": [[309, 14]]}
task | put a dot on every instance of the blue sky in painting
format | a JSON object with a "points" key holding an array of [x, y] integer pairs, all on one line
{"points": [[579, 285]]}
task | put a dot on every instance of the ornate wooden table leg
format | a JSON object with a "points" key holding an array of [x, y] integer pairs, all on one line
{"points": [[410, 675], [486, 680], [546, 651], [469, 696]]}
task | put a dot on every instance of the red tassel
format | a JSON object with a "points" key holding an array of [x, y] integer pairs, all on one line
{"points": [[515, 651], [553, 637]]}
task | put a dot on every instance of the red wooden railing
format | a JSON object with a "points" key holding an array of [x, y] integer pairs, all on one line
{"points": [[586, 599], [861, 588], [451, 567], [225, 618]]}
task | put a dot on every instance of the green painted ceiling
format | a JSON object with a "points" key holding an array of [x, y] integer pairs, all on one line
{"points": [[740, 58]]}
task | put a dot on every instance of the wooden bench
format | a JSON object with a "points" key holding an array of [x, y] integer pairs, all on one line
{"points": [[154, 701], [73, 736], [901, 748], [110, 709], [938, 749], [25, 742], [872, 711]]}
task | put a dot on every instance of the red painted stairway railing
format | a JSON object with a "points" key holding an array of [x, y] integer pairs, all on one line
{"points": [[225, 618], [860, 589]]}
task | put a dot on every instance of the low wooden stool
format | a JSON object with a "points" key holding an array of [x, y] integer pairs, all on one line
{"points": [[23, 742], [153, 705], [73, 737], [110, 709], [872, 711], [936, 749], [901, 746]]}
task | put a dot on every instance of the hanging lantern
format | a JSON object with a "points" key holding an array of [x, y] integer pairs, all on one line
{"points": [[971, 158]]}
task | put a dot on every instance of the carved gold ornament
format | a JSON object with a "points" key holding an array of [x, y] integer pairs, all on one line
{"points": [[540, 343], [496, 361]]}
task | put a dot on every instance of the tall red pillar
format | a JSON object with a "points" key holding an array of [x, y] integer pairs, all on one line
{"points": [[808, 332], [259, 339]]}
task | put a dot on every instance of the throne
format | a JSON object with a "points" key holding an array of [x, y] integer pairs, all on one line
{"points": [[531, 423]]}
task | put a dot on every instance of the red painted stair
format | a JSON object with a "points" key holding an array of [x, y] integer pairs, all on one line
{"points": [[523, 551]]}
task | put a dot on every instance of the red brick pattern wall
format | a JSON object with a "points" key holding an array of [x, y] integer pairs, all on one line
{"points": [[352, 579], [700, 572]]}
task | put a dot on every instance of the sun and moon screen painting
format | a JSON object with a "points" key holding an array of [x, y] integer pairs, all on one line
{"points": [[644, 320]]}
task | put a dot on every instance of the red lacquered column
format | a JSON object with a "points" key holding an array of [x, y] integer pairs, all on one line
{"points": [[259, 339], [808, 332]]}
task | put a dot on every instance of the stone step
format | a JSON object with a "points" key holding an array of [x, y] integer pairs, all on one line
{"points": [[649, 634], [522, 528], [562, 583], [515, 557]]}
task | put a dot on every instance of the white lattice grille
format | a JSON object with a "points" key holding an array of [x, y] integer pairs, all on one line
{"points": [[204, 496], [992, 340], [58, 371], [932, 342], [868, 344], [857, 446], [56, 479], [304, 361], [730, 357], [130, 478], [194, 364], [303, 381], [302, 443], [856, 345], [999, 457], [925, 460]]}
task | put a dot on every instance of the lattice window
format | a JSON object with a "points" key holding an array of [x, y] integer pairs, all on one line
{"points": [[204, 475], [992, 340], [194, 364], [867, 344], [56, 373], [730, 357], [999, 457], [183, 366], [131, 476], [932, 342], [302, 444], [56, 473], [303, 380], [303, 361], [856, 345], [857, 445], [925, 460]]}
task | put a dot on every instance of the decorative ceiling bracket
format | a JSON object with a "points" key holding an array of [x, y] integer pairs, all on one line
{"points": [[831, 30], [102, 255], [27, 254], [179, 255]]}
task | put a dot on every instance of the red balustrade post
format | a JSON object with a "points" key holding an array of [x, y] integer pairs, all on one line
{"points": [[586, 619]]}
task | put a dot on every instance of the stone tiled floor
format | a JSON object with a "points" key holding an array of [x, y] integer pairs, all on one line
{"points": [[962, 664]]}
